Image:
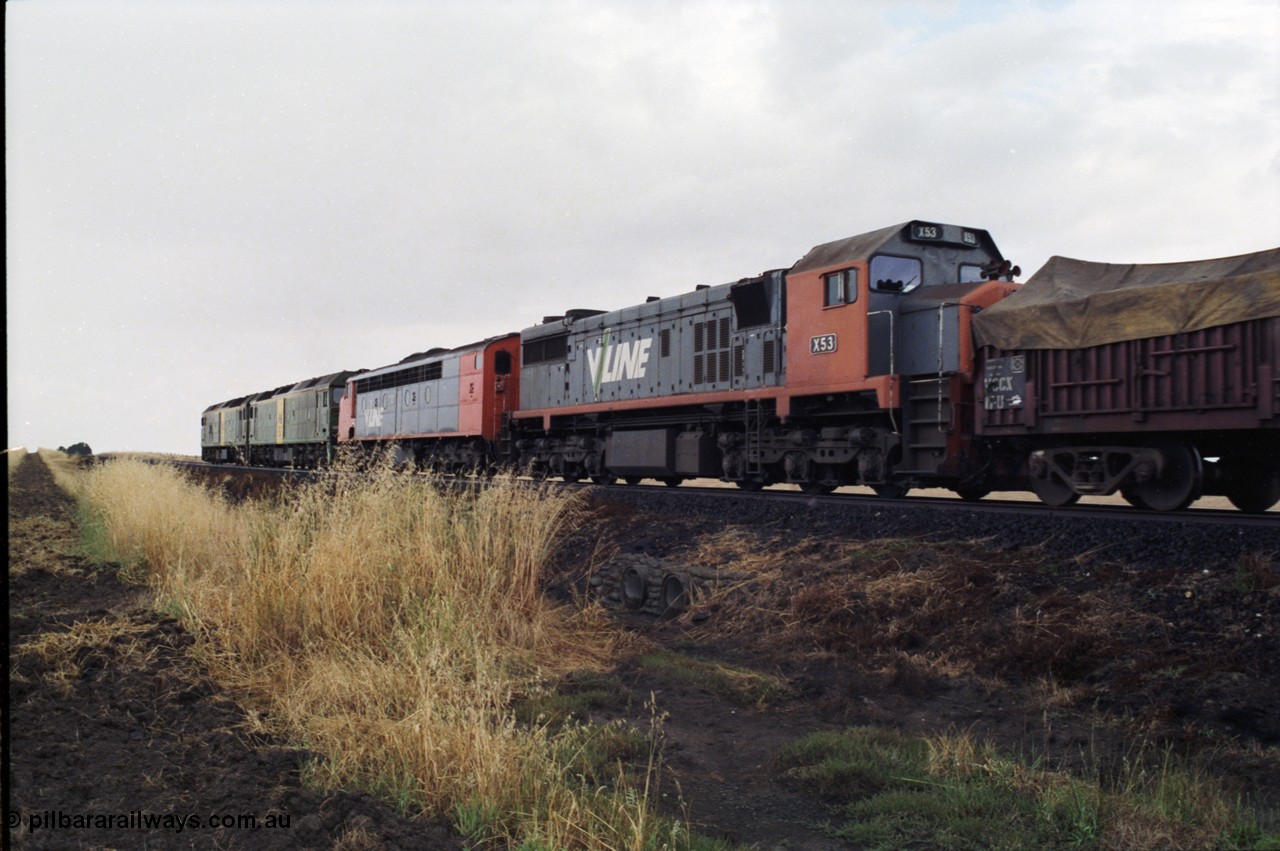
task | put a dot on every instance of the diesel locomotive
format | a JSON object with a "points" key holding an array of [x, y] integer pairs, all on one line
{"points": [[902, 358]]}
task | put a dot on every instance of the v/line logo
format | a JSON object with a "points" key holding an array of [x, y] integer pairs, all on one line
{"points": [[614, 362]]}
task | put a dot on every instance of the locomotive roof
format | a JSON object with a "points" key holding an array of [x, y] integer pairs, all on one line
{"points": [[428, 356], [331, 380], [591, 320], [230, 403], [862, 246], [1071, 304]]}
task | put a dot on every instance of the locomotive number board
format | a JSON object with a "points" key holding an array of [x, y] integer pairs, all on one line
{"points": [[928, 232], [822, 344]]}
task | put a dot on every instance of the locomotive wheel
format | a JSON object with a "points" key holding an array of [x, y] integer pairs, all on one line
{"points": [[1053, 491], [632, 480], [893, 490], [816, 488], [750, 485], [672, 481], [1255, 490], [604, 479], [1178, 485], [972, 493]]}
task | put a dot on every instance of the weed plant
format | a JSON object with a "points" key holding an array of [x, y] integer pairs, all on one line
{"points": [[954, 792], [390, 625]]}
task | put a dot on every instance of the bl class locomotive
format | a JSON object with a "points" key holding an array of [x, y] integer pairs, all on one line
{"points": [[869, 361], [290, 426]]}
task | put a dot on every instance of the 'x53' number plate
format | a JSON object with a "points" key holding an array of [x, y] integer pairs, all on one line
{"points": [[822, 344]]}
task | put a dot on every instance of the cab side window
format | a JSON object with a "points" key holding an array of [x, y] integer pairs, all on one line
{"points": [[840, 287], [891, 274]]}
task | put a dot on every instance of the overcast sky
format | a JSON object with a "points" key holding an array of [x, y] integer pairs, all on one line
{"points": [[210, 199]]}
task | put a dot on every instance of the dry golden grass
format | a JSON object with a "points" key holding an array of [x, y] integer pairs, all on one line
{"points": [[66, 652], [908, 609], [388, 625], [64, 468], [152, 456], [16, 456]]}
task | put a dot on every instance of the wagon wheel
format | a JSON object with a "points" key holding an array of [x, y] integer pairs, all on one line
{"points": [[1053, 491], [1178, 485], [604, 479], [816, 488], [1253, 489], [632, 480], [1132, 498], [672, 481], [749, 485]]}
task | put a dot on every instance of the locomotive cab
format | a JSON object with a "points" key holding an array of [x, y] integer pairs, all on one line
{"points": [[878, 337]]}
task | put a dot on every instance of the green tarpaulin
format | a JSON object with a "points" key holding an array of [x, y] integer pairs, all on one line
{"points": [[1072, 304]]}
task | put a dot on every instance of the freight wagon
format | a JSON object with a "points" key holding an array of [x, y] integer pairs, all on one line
{"points": [[1161, 382]]}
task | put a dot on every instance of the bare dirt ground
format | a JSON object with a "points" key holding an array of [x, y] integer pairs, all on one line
{"points": [[1070, 659]]}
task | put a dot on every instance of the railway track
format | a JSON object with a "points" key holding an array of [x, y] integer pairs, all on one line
{"points": [[1199, 536], [1011, 507], [938, 501]]}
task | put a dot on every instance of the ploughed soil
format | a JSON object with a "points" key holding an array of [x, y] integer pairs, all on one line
{"points": [[1036, 640]]}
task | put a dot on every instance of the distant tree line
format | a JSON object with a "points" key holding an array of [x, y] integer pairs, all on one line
{"points": [[76, 449]]}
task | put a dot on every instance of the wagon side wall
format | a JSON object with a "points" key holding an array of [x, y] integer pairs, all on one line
{"points": [[1225, 377]]}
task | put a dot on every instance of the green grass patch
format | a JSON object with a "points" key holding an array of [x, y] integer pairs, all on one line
{"points": [[574, 697], [737, 685], [96, 545], [950, 792]]}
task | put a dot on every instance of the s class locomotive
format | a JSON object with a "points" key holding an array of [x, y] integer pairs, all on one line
{"points": [[902, 358]]}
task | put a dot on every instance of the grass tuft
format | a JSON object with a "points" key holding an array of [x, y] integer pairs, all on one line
{"points": [[738, 685]]}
